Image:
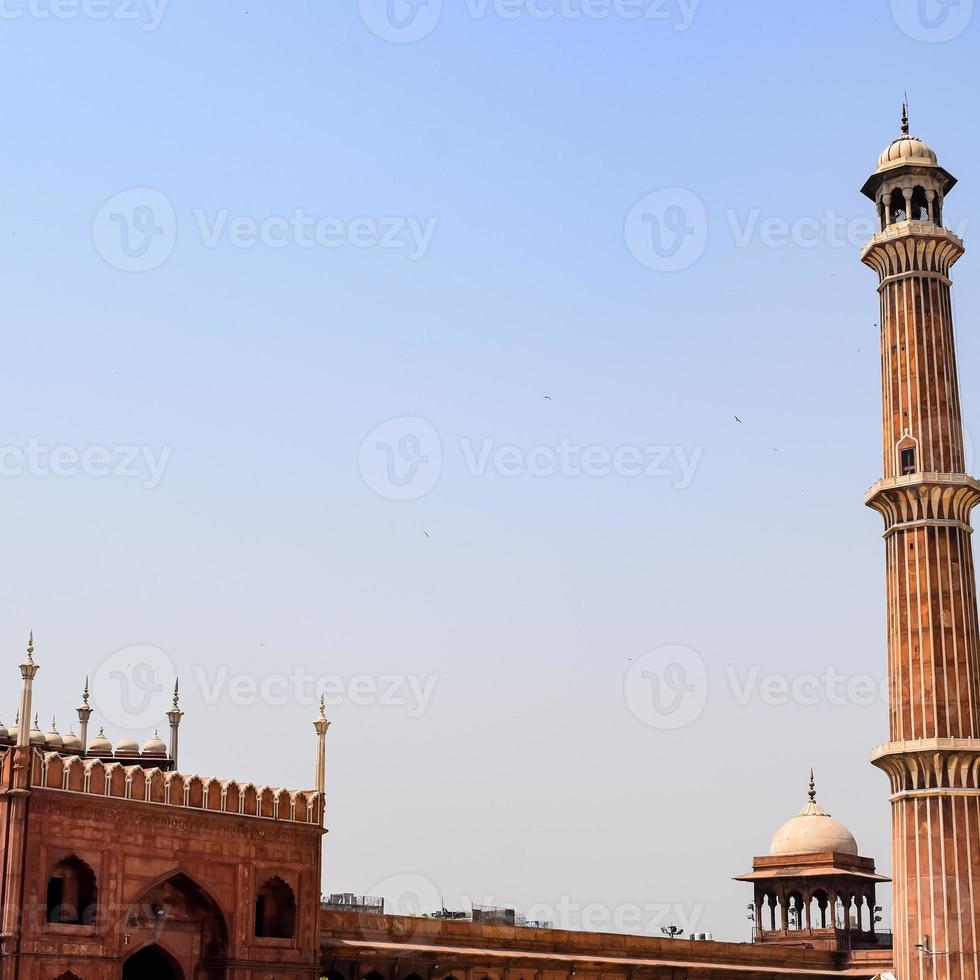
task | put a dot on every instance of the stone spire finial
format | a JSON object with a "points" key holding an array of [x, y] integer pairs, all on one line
{"points": [[85, 713], [174, 716], [813, 788], [30, 646], [321, 726]]}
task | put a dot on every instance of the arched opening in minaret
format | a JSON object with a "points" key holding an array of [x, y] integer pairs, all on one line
{"points": [[920, 205], [896, 207], [908, 464]]}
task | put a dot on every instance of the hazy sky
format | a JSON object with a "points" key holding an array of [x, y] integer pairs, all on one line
{"points": [[399, 352]]}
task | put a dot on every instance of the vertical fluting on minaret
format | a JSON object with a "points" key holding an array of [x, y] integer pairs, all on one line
{"points": [[926, 499]]}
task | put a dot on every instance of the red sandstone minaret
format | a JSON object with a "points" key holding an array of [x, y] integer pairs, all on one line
{"points": [[926, 498]]}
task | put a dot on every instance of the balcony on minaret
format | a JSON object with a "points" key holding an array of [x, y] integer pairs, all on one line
{"points": [[909, 184]]}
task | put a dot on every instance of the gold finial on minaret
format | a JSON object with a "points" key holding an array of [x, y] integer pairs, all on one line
{"points": [[30, 646], [813, 788], [905, 115]]}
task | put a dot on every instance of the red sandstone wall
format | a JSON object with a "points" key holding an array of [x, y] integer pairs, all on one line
{"points": [[130, 846]]}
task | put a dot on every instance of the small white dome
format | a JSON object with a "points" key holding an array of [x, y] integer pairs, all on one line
{"points": [[37, 736], [72, 743], [127, 746], [4, 734], [812, 831], [907, 150], [101, 746], [53, 742], [155, 747]]}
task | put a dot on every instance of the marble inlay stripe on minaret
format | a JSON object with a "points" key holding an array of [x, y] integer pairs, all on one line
{"points": [[966, 724]]}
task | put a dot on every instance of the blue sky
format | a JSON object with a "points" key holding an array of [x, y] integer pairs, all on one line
{"points": [[338, 231]]}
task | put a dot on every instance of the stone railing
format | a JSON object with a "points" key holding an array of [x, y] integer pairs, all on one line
{"points": [[115, 780]]}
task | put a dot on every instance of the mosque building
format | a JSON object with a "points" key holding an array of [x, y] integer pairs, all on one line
{"points": [[119, 863]]}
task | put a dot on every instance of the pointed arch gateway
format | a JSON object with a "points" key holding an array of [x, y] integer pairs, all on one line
{"points": [[176, 922], [152, 963]]}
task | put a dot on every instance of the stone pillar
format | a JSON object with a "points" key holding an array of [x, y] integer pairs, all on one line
{"points": [[84, 716], [320, 726], [175, 715], [18, 787], [28, 671]]}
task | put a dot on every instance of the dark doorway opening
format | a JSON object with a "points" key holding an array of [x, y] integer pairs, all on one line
{"points": [[151, 963]]}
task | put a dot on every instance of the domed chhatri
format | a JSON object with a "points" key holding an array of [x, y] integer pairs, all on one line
{"points": [[907, 149], [127, 747], [813, 831], [155, 748], [155, 753], [72, 743], [101, 746], [814, 883], [906, 163], [53, 742], [36, 735]]}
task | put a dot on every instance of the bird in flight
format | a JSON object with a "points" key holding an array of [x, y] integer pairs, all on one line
{"points": [[737, 419]]}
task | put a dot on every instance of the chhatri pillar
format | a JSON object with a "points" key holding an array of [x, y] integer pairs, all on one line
{"points": [[926, 499], [814, 888]]}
